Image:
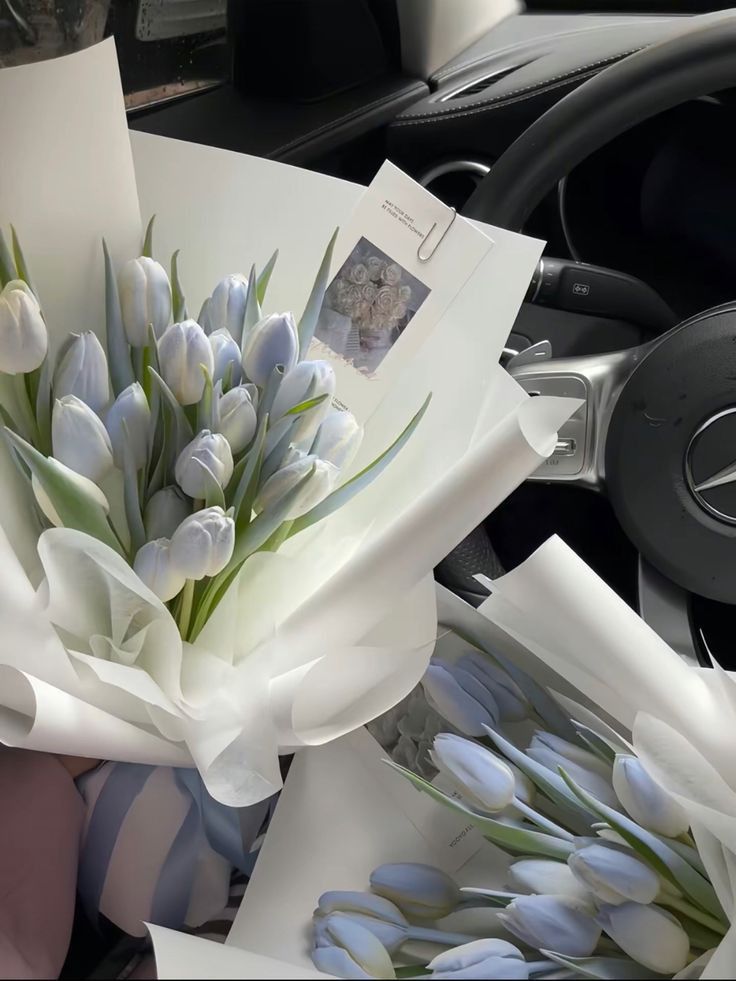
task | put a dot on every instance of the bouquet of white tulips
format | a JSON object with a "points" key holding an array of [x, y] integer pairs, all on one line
{"points": [[604, 878]]}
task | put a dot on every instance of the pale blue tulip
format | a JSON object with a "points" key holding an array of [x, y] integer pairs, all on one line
{"points": [[645, 801], [482, 959], [308, 379], [165, 511], [226, 353], [337, 962], [82, 371], [203, 543], [544, 876], [273, 341], [482, 778], [237, 419], [23, 336], [338, 438], [513, 705], [320, 480], [460, 698], [128, 421], [227, 305], [145, 298], [183, 352], [614, 875], [207, 457], [79, 439], [421, 891], [551, 923], [365, 950], [154, 567], [379, 916], [586, 769], [648, 934]]}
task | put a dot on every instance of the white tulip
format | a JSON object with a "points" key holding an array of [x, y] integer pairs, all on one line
{"points": [[320, 479], [145, 298], [183, 351], [645, 801], [203, 543], [338, 963], [460, 698], [154, 567], [483, 959], [207, 456], [308, 379], [82, 371], [227, 305], [551, 923], [85, 487], [338, 438], [525, 789], [615, 875], [23, 336], [648, 934], [381, 917], [129, 414], [583, 767], [546, 877], [79, 439], [418, 890], [237, 418], [164, 512], [364, 949], [225, 352], [513, 705], [273, 341], [481, 777]]}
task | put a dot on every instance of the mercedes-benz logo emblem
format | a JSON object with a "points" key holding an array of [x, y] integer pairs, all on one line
{"points": [[710, 465]]}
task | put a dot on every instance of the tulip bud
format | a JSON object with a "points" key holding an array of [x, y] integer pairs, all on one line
{"points": [[314, 490], [366, 953], [648, 934], [614, 874], [525, 789], [546, 877], [129, 418], [23, 337], [183, 351], [460, 698], [381, 917], [145, 298], [551, 923], [203, 543], [273, 341], [237, 418], [225, 352], [154, 567], [645, 801], [481, 777], [513, 705], [226, 308], [82, 371], [338, 438], [483, 959], [206, 452], [308, 379], [418, 890], [84, 486], [80, 440], [589, 772], [164, 513]]}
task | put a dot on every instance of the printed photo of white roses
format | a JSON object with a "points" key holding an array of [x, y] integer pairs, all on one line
{"points": [[367, 306]]}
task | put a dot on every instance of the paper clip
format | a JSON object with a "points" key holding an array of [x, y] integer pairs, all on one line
{"points": [[428, 255]]}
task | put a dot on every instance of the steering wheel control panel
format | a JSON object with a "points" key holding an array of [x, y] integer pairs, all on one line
{"points": [[569, 456]]}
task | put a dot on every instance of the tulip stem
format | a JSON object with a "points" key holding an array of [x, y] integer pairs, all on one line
{"points": [[185, 612], [542, 822], [27, 416], [682, 906], [432, 936]]}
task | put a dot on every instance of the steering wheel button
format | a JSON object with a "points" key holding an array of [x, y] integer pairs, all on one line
{"points": [[565, 447]]}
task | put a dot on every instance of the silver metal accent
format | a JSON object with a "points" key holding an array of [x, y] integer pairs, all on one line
{"points": [[565, 447], [727, 475], [665, 606], [541, 351], [426, 256], [475, 167]]}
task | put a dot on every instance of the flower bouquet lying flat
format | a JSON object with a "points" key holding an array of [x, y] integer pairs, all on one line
{"points": [[191, 577]]}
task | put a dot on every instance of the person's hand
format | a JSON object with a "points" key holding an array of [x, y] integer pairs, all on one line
{"points": [[77, 765]]}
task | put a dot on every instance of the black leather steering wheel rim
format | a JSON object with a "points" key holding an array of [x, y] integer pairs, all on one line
{"points": [[698, 62]]}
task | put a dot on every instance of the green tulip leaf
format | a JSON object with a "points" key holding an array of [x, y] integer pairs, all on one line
{"points": [[338, 498], [7, 265], [308, 322], [252, 307], [131, 497], [492, 896], [178, 300], [147, 247], [118, 350], [182, 432], [595, 743], [213, 496], [249, 479], [265, 278], [518, 840], [21, 265], [306, 405], [603, 968], [205, 418]]}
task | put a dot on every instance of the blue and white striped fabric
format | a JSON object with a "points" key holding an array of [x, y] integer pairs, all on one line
{"points": [[157, 848]]}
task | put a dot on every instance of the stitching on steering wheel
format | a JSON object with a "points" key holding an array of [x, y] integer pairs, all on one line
{"points": [[585, 71]]}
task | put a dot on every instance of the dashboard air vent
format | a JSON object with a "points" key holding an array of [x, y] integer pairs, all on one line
{"points": [[469, 89]]}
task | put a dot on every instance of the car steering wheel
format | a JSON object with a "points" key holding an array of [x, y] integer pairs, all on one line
{"points": [[659, 423]]}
